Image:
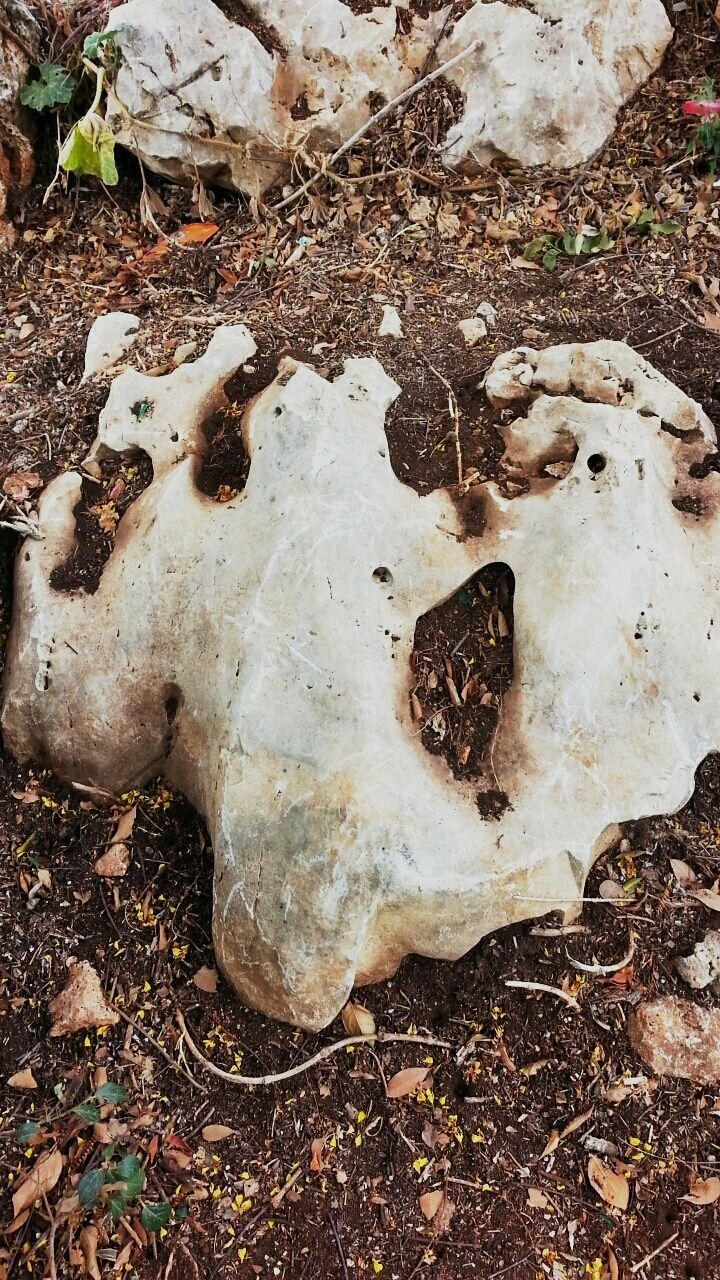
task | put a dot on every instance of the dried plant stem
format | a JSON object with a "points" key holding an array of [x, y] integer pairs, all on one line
{"points": [[552, 991], [375, 119], [232, 1078]]}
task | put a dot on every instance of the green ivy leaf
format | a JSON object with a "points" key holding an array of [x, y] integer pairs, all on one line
{"points": [[665, 228], [94, 42], [127, 1168], [55, 85], [26, 1131], [111, 1093], [87, 1111], [117, 1204], [135, 1185], [155, 1216], [90, 1186], [90, 148]]}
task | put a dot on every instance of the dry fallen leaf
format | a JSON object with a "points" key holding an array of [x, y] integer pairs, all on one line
{"points": [[708, 897], [406, 1081], [537, 1199], [317, 1164], [206, 980], [123, 830], [612, 1187], [704, 1191], [430, 1202], [197, 232], [40, 1180], [88, 1248], [551, 1143], [19, 484], [357, 1020], [217, 1132], [612, 1263], [682, 871], [81, 1003], [576, 1123], [23, 1080]]}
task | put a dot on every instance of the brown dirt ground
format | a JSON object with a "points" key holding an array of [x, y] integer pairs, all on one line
{"points": [[390, 228]]}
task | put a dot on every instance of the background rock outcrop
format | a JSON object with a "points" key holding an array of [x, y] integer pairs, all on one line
{"points": [[235, 100], [19, 43]]}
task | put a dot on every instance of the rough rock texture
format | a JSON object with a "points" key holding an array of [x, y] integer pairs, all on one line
{"points": [[264, 664], [200, 93], [702, 968], [81, 1003], [677, 1038], [16, 154], [546, 86], [110, 337]]}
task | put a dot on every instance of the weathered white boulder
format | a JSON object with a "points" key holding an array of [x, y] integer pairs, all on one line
{"points": [[16, 152], [549, 78], [257, 653], [197, 93]]}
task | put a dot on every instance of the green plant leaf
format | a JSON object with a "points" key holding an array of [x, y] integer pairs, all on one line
{"points": [[665, 228], [155, 1216], [135, 1184], [127, 1168], [90, 1186], [95, 41], [116, 1204], [550, 258], [536, 247], [87, 1111], [90, 148], [25, 1131], [55, 85], [110, 1092]]}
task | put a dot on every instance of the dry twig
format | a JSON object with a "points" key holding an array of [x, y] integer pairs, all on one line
{"points": [[375, 119], [303, 1066]]}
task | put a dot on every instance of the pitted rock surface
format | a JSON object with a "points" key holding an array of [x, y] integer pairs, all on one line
{"points": [[257, 653], [198, 93]]}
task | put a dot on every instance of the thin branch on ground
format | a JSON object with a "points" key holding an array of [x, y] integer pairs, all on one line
{"points": [[327, 1052], [551, 991], [375, 119], [176, 1066]]}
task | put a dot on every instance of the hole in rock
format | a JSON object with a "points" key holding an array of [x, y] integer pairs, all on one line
{"points": [[223, 470], [597, 462], [102, 504], [383, 574], [462, 664], [709, 465], [300, 109], [690, 505]]}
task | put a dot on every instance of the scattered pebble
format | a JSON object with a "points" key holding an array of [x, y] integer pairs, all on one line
{"points": [[702, 967], [677, 1038], [81, 1003], [391, 324]]}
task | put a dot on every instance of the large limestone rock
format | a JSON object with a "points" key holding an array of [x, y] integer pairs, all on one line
{"points": [[16, 153], [256, 653], [548, 80], [199, 93]]}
